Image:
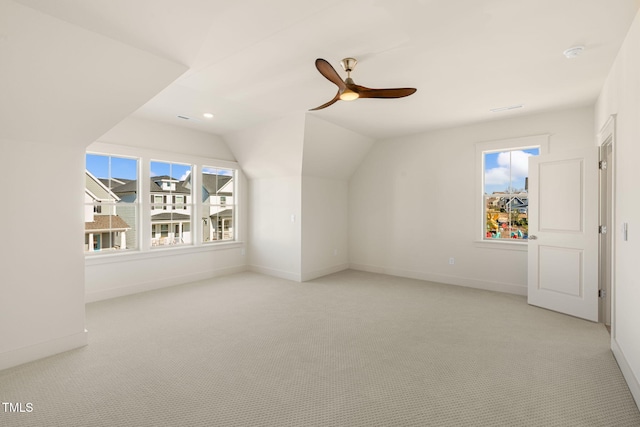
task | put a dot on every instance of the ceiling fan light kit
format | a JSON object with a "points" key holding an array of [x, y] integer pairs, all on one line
{"points": [[348, 90], [349, 95]]}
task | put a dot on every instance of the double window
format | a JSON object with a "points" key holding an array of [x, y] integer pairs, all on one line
{"points": [[162, 196]]}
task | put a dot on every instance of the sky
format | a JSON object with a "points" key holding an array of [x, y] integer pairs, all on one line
{"points": [[174, 170], [507, 169], [120, 167]]}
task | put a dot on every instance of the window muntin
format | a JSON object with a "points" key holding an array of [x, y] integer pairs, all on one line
{"points": [[505, 192], [111, 210], [170, 187], [218, 204]]}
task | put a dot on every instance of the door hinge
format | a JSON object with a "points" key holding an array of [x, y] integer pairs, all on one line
{"points": [[602, 293], [602, 164], [602, 229]]}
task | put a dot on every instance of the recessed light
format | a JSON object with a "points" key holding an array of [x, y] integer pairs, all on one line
{"points": [[572, 52], [510, 107], [207, 115]]}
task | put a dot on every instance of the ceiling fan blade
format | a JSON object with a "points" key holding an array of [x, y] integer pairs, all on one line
{"points": [[330, 73], [366, 92], [333, 101]]}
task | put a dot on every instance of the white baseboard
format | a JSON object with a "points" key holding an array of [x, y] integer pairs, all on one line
{"points": [[627, 372], [288, 275], [160, 283], [23, 355], [442, 278], [323, 272]]}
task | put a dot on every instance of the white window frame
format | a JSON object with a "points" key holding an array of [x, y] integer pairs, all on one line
{"points": [[145, 157], [169, 205], [102, 204], [536, 141], [222, 204]]}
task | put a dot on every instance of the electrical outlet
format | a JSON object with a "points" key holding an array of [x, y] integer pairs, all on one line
{"points": [[452, 261], [335, 252]]}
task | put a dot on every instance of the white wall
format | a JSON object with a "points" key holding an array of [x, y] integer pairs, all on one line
{"points": [[112, 275], [412, 203], [621, 96], [275, 232], [42, 270], [62, 87], [324, 226]]}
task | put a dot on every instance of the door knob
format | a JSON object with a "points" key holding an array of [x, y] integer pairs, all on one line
{"points": [[533, 237]]}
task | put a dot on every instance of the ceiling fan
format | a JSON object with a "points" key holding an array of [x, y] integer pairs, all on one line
{"points": [[348, 90]]}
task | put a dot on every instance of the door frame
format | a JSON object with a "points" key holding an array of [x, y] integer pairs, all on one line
{"points": [[607, 135]]}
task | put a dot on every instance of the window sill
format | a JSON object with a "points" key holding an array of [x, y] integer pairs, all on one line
{"points": [[500, 245], [99, 259]]}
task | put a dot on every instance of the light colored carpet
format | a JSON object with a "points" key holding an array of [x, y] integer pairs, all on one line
{"points": [[350, 349]]}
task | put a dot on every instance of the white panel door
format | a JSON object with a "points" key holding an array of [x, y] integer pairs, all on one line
{"points": [[563, 232]]}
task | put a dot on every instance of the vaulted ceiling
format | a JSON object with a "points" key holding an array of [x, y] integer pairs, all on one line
{"points": [[252, 61]]}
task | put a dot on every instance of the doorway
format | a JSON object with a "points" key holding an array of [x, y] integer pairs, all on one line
{"points": [[607, 230]]}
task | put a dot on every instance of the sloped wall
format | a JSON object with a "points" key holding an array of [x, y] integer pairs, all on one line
{"points": [[298, 169], [62, 87], [271, 157], [330, 157]]}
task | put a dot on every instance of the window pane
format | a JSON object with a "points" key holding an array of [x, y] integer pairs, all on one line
{"points": [[110, 214], [218, 204], [170, 215], [506, 200]]}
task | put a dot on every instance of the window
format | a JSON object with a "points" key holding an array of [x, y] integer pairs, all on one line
{"points": [[504, 186], [136, 203], [170, 189], [218, 206], [110, 215]]}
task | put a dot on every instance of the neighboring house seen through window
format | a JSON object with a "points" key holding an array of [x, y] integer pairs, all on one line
{"points": [[506, 199], [170, 188], [175, 208], [503, 187], [110, 213], [218, 206]]}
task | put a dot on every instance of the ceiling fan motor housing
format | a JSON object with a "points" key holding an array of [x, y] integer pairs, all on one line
{"points": [[348, 64]]}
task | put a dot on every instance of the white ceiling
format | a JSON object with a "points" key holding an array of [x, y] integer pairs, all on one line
{"points": [[253, 60]]}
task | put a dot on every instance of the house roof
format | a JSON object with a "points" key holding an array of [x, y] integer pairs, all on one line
{"points": [[170, 216], [97, 189], [180, 185], [213, 183], [113, 182], [130, 187], [227, 213], [106, 222]]}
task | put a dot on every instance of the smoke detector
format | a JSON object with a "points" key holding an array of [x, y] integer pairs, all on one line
{"points": [[574, 51]]}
